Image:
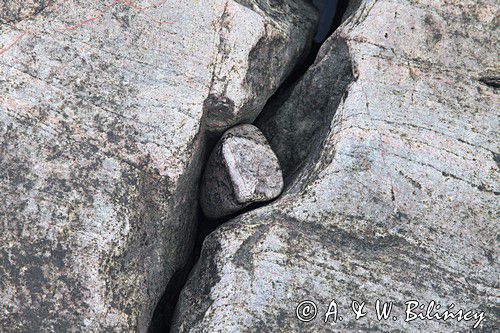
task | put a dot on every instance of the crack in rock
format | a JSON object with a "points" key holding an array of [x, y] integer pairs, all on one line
{"points": [[391, 183]]}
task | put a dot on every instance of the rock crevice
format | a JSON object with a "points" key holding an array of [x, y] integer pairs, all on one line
{"points": [[385, 204], [103, 136]]}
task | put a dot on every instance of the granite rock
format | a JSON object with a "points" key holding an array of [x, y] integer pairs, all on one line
{"points": [[103, 110], [241, 170], [280, 32], [17, 10], [393, 195]]}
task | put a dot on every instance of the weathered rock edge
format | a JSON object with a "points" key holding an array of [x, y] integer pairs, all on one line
{"points": [[239, 92], [398, 200], [102, 114]]}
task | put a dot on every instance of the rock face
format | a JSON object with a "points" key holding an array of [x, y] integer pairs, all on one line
{"points": [[101, 136], [17, 10], [395, 191], [280, 30], [241, 170]]}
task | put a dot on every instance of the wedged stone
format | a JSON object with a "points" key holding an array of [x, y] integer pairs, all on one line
{"points": [[102, 108], [394, 195], [241, 170]]}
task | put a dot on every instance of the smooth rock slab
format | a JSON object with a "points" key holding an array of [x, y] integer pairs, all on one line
{"points": [[242, 170]]}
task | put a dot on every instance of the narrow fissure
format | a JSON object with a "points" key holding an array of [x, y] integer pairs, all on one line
{"points": [[307, 60], [164, 311]]}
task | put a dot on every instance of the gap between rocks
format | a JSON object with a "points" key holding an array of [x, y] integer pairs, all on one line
{"points": [[164, 311]]}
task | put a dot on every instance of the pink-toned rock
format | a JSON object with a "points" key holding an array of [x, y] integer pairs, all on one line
{"points": [[17, 10], [103, 106], [390, 145]]}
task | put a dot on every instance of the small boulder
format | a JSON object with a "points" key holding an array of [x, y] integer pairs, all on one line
{"points": [[241, 170]]}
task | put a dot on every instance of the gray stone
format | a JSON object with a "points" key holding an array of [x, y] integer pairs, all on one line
{"points": [[279, 32], [102, 120], [17, 10], [394, 195], [241, 170]]}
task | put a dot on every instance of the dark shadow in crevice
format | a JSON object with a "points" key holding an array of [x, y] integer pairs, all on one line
{"points": [[297, 117], [163, 314], [164, 311], [303, 65], [491, 81]]}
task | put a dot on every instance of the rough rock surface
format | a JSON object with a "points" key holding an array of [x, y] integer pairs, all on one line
{"points": [[101, 134], [397, 196], [241, 170], [280, 30], [16, 10]]}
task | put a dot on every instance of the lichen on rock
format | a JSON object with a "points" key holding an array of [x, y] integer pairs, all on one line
{"points": [[102, 137], [16, 10]]}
